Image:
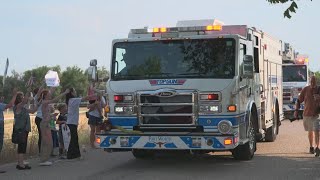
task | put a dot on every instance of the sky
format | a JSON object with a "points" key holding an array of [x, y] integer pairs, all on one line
{"points": [[35, 33]]}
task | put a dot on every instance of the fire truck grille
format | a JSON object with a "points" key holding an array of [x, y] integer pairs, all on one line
{"points": [[286, 96], [174, 110]]}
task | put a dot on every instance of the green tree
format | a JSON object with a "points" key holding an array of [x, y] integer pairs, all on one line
{"points": [[291, 9], [317, 74], [11, 82], [76, 78]]}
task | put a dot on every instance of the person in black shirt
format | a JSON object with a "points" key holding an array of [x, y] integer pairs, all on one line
{"points": [[62, 119]]}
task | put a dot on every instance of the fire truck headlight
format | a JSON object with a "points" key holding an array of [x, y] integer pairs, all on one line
{"points": [[224, 126], [123, 109], [118, 109], [209, 108]]}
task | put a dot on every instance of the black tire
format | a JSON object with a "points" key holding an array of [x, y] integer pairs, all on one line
{"points": [[142, 154], [278, 119], [246, 151], [272, 131]]}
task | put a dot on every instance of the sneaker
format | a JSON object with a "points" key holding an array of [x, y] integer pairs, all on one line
{"points": [[47, 163], [62, 157], [311, 151], [317, 152]]}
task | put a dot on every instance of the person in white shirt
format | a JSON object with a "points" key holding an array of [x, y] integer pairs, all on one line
{"points": [[73, 104], [38, 98]]}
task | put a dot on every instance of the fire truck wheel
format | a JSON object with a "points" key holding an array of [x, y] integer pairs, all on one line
{"points": [[142, 154], [271, 134], [246, 151]]}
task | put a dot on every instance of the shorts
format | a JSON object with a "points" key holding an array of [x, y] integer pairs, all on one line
{"points": [[22, 147], [311, 123], [95, 121]]}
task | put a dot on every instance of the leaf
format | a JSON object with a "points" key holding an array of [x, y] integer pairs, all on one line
{"points": [[287, 14]]}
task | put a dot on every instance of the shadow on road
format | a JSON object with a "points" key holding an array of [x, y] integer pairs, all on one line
{"points": [[218, 166]]}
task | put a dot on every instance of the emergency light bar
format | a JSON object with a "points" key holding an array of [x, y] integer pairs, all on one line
{"points": [[177, 29], [241, 30]]}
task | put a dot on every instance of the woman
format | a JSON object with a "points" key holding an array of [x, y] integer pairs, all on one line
{"points": [[40, 95], [73, 121], [22, 123], [46, 139], [95, 117]]}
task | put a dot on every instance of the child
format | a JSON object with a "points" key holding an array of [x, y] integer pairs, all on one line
{"points": [[62, 119], [54, 132]]}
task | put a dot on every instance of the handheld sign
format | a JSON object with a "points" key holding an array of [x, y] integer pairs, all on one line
{"points": [[52, 79]]}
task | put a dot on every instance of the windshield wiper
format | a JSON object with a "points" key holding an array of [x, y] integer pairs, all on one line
{"points": [[192, 74], [155, 74], [127, 77]]}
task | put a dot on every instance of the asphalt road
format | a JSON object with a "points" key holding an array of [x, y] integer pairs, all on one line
{"points": [[287, 158]]}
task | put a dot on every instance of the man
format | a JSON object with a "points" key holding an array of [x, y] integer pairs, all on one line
{"points": [[221, 68], [310, 96], [126, 59], [3, 107]]}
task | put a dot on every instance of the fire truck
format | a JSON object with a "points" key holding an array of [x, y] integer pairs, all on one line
{"points": [[295, 78], [201, 86]]}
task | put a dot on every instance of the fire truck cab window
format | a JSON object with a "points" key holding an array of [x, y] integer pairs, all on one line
{"points": [[187, 58], [294, 73]]}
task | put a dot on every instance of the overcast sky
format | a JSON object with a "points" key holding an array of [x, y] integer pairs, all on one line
{"points": [[34, 33]]}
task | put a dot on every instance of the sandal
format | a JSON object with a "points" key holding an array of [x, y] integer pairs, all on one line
{"points": [[26, 167]]}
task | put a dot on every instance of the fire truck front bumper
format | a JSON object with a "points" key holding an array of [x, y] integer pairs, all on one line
{"points": [[167, 141]]}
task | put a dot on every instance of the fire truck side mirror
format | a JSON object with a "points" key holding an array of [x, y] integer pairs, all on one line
{"points": [[247, 71], [261, 88], [93, 62], [92, 73]]}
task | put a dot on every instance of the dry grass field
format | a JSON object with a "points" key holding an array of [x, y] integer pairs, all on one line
{"points": [[9, 150]]}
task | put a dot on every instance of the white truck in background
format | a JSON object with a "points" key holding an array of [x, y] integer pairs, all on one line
{"points": [[201, 86], [295, 78]]}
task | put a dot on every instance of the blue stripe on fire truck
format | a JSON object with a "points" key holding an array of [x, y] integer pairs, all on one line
{"points": [[123, 121], [214, 121]]}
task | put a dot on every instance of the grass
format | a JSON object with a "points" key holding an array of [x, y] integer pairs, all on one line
{"points": [[9, 150]]}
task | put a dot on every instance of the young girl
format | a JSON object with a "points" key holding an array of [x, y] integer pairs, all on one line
{"points": [[54, 132], [22, 123], [95, 117]]}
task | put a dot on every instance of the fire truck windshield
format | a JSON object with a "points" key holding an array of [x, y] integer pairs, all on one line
{"points": [[163, 59], [294, 73]]}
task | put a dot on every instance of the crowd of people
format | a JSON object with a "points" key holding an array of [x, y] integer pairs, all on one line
{"points": [[50, 141]]}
